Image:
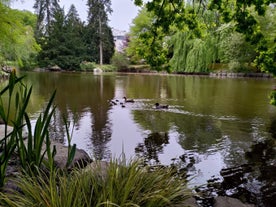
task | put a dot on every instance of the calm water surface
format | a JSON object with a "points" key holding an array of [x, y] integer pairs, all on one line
{"points": [[212, 121]]}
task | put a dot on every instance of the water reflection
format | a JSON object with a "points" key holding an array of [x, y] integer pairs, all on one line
{"points": [[212, 120], [80, 98], [151, 148]]}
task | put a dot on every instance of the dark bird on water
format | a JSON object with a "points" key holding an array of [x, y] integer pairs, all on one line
{"points": [[158, 106], [128, 100]]}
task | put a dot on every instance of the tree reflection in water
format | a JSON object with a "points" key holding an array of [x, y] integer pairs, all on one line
{"points": [[153, 146]]}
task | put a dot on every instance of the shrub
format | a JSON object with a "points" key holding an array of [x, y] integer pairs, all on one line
{"points": [[120, 61], [86, 66], [237, 67], [117, 183]]}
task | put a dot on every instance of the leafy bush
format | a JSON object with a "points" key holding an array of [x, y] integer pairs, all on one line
{"points": [[120, 61], [107, 68], [86, 66], [117, 183], [237, 67]]}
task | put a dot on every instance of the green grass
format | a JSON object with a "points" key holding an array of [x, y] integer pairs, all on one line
{"points": [[117, 183]]}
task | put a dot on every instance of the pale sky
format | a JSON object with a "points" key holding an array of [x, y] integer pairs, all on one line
{"points": [[124, 11]]}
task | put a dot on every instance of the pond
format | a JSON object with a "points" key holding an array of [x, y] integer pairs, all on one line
{"points": [[210, 122]]}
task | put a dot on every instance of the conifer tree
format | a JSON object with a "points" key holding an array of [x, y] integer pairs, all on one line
{"points": [[45, 11], [99, 35]]}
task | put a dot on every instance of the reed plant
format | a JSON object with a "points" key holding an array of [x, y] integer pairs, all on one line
{"points": [[8, 142], [116, 183], [31, 152]]}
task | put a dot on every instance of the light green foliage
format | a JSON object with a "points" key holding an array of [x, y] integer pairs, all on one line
{"points": [[147, 44], [120, 60], [235, 48], [86, 66], [245, 17], [192, 54], [17, 41], [116, 183], [195, 51], [141, 24]]}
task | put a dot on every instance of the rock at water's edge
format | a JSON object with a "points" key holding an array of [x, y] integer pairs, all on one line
{"points": [[223, 201]]}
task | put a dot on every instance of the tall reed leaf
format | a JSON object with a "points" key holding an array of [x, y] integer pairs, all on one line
{"points": [[71, 149]]}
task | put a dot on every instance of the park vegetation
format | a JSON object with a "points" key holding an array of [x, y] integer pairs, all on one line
{"points": [[176, 35], [200, 36], [51, 37], [41, 183]]}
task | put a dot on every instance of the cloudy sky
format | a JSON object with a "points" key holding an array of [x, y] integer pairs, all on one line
{"points": [[123, 10]]}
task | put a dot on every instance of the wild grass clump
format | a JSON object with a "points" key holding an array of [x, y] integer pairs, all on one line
{"points": [[116, 183]]}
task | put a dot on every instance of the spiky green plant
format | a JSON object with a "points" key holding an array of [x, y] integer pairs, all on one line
{"points": [[31, 153], [71, 149], [116, 183], [8, 143]]}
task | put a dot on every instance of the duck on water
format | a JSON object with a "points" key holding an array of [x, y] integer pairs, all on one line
{"points": [[158, 106], [128, 100]]}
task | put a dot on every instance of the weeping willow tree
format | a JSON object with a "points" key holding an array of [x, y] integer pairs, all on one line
{"points": [[192, 54]]}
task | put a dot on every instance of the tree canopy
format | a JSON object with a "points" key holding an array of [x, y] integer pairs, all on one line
{"points": [[68, 41], [17, 43], [173, 16]]}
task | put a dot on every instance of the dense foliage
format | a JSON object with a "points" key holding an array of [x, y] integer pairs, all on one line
{"points": [[17, 43], [98, 33], [117, 183], [69, 41], [200, 33], [64, 45], [53, 38], [144, 45]]}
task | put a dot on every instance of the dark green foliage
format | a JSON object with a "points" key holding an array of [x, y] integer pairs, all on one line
{"points": [[45, 10], [98, 32], [267, 60], [69, 41], [64, 46]]}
